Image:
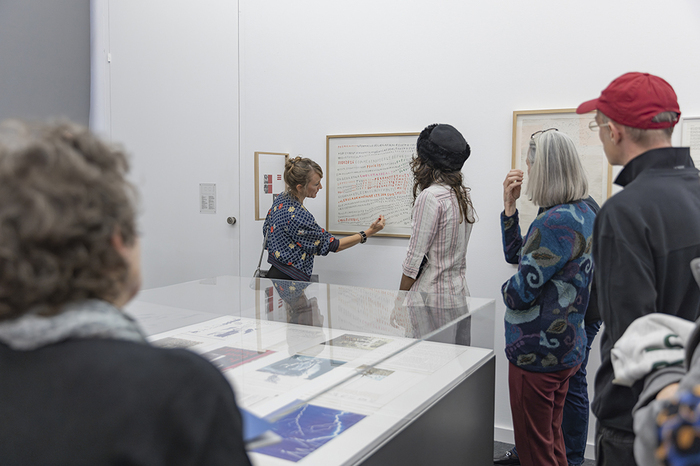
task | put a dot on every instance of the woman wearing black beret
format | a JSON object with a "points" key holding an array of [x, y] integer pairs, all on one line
{"points": [[442, 218]]}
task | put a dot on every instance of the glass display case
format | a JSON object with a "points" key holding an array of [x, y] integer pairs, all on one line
{"points": [[344, 375]]}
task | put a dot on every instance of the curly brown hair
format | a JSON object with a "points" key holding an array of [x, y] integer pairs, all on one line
{"points": [[63, 195], [424, 176]]}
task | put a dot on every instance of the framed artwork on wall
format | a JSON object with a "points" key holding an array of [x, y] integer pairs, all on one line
{"points": [[690, 137], [369, 175], [269, 180], [599, 171]]}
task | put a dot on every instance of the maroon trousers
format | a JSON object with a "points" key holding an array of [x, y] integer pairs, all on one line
{"points": [[537, 406]]}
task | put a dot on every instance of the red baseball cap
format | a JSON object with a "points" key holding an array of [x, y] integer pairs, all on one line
{"points": [[634, 99]]}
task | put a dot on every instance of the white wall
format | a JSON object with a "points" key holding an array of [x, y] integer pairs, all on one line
{"points": [[312, 68], [309, 68], [170, 95]]}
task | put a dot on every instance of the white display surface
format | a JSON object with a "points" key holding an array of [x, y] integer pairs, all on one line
{"points": [[333, 394], [382, 400]]}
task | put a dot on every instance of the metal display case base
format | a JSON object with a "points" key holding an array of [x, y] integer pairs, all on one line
{"points": [[455, 430]]}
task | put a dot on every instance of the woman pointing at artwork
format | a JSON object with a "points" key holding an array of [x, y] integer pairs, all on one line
{"points": [[293, 236]]}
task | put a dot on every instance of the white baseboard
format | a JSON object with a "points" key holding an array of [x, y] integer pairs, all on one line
{"points": [[505, 435]]}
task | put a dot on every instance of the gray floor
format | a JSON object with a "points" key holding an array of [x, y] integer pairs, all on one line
{"points": [[499, 448]]}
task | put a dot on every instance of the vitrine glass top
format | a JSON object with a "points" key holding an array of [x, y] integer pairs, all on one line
{"points": [[292, 346]]}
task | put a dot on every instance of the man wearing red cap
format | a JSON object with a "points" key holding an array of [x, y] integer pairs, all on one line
{"points": [[644, 237]]}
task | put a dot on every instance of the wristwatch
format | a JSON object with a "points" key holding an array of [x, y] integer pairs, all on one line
{"points": [[363, 237]]}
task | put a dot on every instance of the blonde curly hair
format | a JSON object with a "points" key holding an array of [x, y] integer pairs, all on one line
{"points": [[63, 195]]}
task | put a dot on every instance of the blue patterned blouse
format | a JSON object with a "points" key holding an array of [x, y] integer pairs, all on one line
{"points": [[295, 238], [546, 299]]}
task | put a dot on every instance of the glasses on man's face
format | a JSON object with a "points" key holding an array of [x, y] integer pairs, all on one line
{"points": [[532, 136], [594, 126]]}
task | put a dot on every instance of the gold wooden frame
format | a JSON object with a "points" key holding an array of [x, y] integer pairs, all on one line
{"points": [[329, 182], [257, 179]]}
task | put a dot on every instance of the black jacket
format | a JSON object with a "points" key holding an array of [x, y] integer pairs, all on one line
{"points": [[592, 312], [113, 402], [643, 241]]}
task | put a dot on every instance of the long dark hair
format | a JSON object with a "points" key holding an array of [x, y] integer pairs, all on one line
{"points": [[424, 176]]}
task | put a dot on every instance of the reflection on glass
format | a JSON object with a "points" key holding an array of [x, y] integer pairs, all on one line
{"points": [[388, 312], [315, 359]]}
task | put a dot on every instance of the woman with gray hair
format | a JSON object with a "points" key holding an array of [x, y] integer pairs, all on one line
{"points": [[79, 383], [546, 299]]}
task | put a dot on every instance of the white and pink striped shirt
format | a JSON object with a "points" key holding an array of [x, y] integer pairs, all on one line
{"points": [[438, 235]]}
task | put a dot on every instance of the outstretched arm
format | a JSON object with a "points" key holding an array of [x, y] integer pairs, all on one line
{"points": [[352, 240]]}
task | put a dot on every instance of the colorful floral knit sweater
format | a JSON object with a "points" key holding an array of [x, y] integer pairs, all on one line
{"points": [[547, 298], [295, 238]]}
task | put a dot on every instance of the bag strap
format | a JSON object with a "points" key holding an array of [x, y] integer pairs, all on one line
{"points": [[262, 252]]}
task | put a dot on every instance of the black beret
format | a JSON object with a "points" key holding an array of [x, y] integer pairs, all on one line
{"points": [[442, 147]]}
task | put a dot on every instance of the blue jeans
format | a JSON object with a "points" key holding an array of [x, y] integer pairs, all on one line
{"points": [[575, 423], [574, 426]]}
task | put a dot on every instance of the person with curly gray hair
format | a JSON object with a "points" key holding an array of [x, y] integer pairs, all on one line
{"points": [[80, 384]]}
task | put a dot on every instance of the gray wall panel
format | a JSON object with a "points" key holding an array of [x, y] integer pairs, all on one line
{"points": [[45, 59]]}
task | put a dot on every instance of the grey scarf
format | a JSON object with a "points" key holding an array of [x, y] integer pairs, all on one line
{"points": [[86, 319]]}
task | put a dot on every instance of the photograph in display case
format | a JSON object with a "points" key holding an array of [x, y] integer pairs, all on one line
{"points": [[228, 357], [304, 367], [171, 342], [358, 341], [375, 373], [306, 429]]}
